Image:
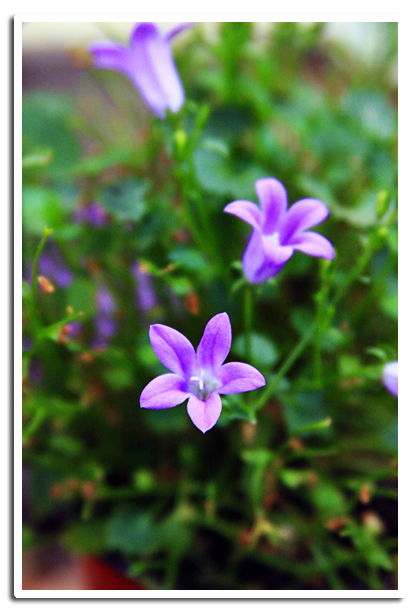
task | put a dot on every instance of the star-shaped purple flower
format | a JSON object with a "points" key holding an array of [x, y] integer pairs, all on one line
{"points": [[390, 377], [198, 376], [279, 232], [148, 63]]}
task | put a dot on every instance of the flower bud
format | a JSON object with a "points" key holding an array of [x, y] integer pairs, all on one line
{"points": [[46, 285]]}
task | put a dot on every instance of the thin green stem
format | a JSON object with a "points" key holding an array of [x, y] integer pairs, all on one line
{"points": [[293, 356], [34, 284], [33, 426], [248, 318]]}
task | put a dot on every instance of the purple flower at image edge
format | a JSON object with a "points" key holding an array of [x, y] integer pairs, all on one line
{"points": [[148, 63], [390, 377], [278, 231], [201, 377]]}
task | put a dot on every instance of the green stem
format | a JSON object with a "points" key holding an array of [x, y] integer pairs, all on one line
{"points": [[294, 355], [34, 284], [33, 425], [248, 316]]}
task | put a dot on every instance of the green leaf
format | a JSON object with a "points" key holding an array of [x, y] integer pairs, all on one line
{"points": [[304, 410], [170, 420], [81, 296], [118, 377], [47, 123], [328, 499], [124, 199], [264, 352], [86, 537], [216, 175], [41, 207], [189, 258], [131, 532], [257, 456]]}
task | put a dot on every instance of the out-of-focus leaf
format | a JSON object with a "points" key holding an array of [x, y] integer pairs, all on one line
{"points": [[47, 123], [163, 421], [85, 537], [304, 409], [41, 207], [264, 352], [216, 176], [125, 199], [131, 532], [189, 258], [373, 112], [389, 302], [328, 499], [81, 296], [257, 456]]}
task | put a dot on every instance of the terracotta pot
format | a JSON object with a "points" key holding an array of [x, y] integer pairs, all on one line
{"points": [[100, 575]]}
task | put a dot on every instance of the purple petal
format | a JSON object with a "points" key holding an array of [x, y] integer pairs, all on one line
{"points": [[177, 30], [238, 377], [390, 377], [215, 344], [173, 349], [253, 259], [247, 211], [313, 244], [301, 216], [263, 259], [204, 415], [273, 199], [164, 391], [109, 55], [153, 70]]}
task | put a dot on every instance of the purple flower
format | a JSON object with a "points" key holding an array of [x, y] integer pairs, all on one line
{"points": [[51, 265], [278, 232], [105, 324], [390, 377], [92, 214], [145, 293], [148, 63], [198, 376]]}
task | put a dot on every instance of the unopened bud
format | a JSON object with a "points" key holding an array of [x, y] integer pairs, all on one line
{"points": [[88, 489], [192, 303], [337, 522], [46, 285], [69, 310], [365, 493], [144, 267], [62, 334], [86, 357], [180, 139], [372, 522]]}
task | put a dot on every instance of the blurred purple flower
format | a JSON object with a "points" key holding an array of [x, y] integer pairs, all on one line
{"points": [[148, 63], [105, 324], [146, 296], [52, 266], [91, 214], [278, 232], [390, 377], [198, 376]]}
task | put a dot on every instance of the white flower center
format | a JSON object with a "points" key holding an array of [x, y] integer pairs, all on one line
{"points": [[275, 238], [203, 383]]}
